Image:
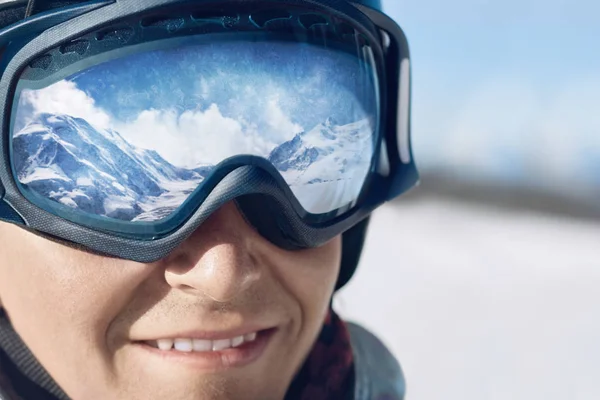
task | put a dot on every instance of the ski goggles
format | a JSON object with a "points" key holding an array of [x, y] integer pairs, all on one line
{"points": [[128, 123]]}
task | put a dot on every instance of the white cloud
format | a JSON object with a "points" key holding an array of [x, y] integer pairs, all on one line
{"points": [[65, 98], [190, 138], [194, 137], [279, 121], [184, 139]]}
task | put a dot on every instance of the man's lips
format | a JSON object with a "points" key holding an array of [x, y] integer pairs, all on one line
{"points": [[211, 355], [189, 344]]}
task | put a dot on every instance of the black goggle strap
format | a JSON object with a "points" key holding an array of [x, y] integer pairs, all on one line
{"points": [[17, 10]]}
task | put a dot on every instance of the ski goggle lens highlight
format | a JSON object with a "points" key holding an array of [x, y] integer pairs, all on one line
{"points": [[132, 136]]}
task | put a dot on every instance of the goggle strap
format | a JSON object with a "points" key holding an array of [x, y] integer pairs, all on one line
{"points": [[11, 28], [18, 10], [8, 214]]}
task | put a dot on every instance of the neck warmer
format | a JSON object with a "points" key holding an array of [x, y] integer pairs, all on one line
{"points": [[327, 373]]}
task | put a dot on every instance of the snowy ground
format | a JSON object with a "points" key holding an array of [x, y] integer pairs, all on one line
{"points": [[483, 303]]}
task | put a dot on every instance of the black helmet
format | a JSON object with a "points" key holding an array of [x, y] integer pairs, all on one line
{"points": [[353, 239]]}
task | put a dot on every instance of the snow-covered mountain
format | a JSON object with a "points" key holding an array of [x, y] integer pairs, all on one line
{"points": [[68, 160], [327, 152], [326, 166], [98, 171]]}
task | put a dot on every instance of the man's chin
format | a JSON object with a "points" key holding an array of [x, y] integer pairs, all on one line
{"points": [[246, 373]]}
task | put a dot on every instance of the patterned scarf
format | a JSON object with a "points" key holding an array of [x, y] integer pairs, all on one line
{"points": [[328, 372]]}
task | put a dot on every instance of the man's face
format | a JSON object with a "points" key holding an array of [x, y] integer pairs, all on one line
{"points": [[91, 320]]}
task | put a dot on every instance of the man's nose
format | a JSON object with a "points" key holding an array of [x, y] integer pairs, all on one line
{"points": [[216, 260]]}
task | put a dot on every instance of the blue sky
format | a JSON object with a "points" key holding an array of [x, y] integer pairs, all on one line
{"points": [[507, 88]]}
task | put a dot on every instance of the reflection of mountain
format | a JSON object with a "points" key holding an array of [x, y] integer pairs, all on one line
{"points": [[326, 166], [66, 159], [325, 153]]}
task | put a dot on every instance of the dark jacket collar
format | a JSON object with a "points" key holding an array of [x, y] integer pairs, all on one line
{"points": [[15, 386], [378, 374]]}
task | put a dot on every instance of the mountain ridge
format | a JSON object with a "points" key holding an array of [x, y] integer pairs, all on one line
{"points": [[69, 161]]}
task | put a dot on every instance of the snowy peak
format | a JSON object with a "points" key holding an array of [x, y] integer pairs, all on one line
{"points": [[324, 140], [70, 161], [326, 166]]}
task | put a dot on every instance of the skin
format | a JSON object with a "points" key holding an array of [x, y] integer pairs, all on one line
{"points": [[78, 312]]}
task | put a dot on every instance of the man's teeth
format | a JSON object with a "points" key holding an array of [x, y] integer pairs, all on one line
{"points": [[165, 344], [189, 345], [184, 345]]}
